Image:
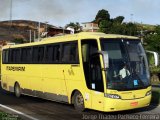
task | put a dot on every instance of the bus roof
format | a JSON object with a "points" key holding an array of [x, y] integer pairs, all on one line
{"points": [[86, 35], [72, 37]]}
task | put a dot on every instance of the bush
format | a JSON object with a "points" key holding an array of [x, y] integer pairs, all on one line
{"points": [[18, 40], [155, 70]]}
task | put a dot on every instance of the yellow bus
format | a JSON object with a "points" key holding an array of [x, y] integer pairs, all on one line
{"points": [[97, 71]]}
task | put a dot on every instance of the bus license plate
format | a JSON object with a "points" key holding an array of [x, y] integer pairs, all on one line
{"points": [[134, 103]]}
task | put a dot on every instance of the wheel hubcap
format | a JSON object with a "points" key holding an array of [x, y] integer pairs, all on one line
{"points": [[79, 100]]}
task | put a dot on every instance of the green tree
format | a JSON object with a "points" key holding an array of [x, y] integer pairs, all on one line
{"points": [[118, 19], [18, 40], [116, 29], [105, 26], [102, 15], [77, 27], [153, 40], [131, 29], [157, 29], [115, 25]]}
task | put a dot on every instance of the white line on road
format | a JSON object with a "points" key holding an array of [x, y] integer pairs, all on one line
{"points": [[18, 112]]}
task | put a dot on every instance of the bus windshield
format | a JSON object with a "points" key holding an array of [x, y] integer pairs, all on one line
{"points": [[128, 66]]}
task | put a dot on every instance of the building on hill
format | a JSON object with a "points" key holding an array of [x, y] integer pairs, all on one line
{"points": [[29, 31], [90, 27], [52, 31], [3, 42]]}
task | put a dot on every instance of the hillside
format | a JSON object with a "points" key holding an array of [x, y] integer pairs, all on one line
{"points": [[146, 26], [19, 29]]}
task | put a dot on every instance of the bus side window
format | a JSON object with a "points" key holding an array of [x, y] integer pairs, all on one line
{"points": [[70, 53], [52, 53], [49, 54], [5, 54], [38, 54], [15, 56], [56, 53], [26, 55], [29, 55], [41, 54], [35, 55]]}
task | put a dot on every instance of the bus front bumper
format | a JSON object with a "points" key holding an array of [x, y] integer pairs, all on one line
{"points": [[112, 105]]}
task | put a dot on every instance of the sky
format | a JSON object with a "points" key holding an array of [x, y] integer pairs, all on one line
{"points": [[62, 12]]}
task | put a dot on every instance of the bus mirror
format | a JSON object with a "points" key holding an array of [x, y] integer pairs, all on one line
{"points": [[105, 58], [153, 57]]}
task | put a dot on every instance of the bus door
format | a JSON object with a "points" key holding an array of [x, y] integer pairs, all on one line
{"points": [[71, 65], [93, 73]]}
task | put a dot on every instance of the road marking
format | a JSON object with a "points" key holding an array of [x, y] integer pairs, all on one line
{"points": [[18, 112]]}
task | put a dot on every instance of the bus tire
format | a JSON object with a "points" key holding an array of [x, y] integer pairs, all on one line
{"points": [[78, 101], [17, 90]]}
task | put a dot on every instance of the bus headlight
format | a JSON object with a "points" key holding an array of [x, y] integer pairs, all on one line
{"points": [[113, 96], [148, 93]]}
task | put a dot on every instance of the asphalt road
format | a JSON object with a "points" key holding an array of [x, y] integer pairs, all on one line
{"points": [[49, 110]]}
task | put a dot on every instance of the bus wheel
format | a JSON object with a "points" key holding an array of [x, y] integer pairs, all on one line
{"points": [[78, 101], [17, 90]]}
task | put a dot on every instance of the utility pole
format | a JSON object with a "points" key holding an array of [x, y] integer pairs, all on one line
{"points": [[142, 33], [39, 25], [132, 18], [34, 34], [46, 28], [30, 36], [11, 13], [10, 22]]}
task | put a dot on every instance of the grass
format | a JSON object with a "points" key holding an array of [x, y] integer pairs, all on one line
{"points": [[6, 116], [155, 92], [156, 83], [155, 96]]}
